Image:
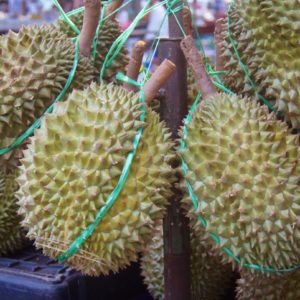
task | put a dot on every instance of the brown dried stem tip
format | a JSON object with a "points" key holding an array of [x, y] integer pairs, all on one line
{"points": [[89, 27], [187, 21], [158, 78], [218, 42], [113, 6], [197, 64], [134, 65]]}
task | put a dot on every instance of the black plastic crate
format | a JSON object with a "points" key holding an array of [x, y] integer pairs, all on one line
{"points": [[29, 275]]}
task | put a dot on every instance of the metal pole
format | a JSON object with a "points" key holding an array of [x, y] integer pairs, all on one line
{"points": [[176, 230]]}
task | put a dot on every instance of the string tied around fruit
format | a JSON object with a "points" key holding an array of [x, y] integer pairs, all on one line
{"points": [[207, 88]]}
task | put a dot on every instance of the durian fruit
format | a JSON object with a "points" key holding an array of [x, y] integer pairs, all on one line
{"points": [[109, 32], [209, 278], [73, 164], [35, 65], [11, 234], [259, 286], [243, 166], [265, 33]]}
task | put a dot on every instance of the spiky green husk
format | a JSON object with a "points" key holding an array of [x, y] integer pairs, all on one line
{"points": [[209, 278], [11, 235], [244, 168], [35, 65], [109, 32], [266, 36], [73, 164], [259, 286]]}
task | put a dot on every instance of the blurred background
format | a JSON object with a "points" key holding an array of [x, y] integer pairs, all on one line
{"points": [[15, 13]]}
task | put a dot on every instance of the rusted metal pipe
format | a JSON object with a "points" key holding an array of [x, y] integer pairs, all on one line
{"points": [[173, 109]]}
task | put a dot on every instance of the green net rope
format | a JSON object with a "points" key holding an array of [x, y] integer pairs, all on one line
{"points": [[219, 84]]}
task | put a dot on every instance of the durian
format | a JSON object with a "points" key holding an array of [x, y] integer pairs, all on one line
{"points": [[265, 33], [11, 233], [209, 278], [109, 32], [35, 65], [74, 162], [243, 165], [259, 286]]}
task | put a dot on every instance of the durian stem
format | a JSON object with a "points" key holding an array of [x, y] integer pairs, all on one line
{"points": [[197, 64], [134, 65], [89, 27], [114, 5], [218, 43], [163, 72], [187, 23]]}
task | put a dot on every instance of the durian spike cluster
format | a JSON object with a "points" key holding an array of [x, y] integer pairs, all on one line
{"points": [[243, 165], [108, 34], [260, 286], [36, 63], [11, 233], [210, 280], [265, 33], [74, 162]]}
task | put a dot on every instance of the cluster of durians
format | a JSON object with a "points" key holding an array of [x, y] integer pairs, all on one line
{"points": [[242, 160], [65, 173]]}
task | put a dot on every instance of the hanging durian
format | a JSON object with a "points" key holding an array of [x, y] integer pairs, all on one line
{"points": [[244, 168], [265, 33], [260, 286], [109, 32], [74, 162], [36, 63], [209, 278], [11, 234]]}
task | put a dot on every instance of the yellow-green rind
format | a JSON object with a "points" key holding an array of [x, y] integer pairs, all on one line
{"points": [[73, 164], [243, 166]]}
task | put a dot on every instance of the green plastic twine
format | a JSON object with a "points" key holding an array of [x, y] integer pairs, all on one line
{"points": [[66, 17], [120, 41], [37, 123], [95, 42], [85, 234]]}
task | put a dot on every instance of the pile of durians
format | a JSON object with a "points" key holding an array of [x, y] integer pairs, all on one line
{"points": [[242, 158]]}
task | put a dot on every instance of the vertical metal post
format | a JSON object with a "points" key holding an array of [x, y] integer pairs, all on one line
{"points": [[176, 231]]}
